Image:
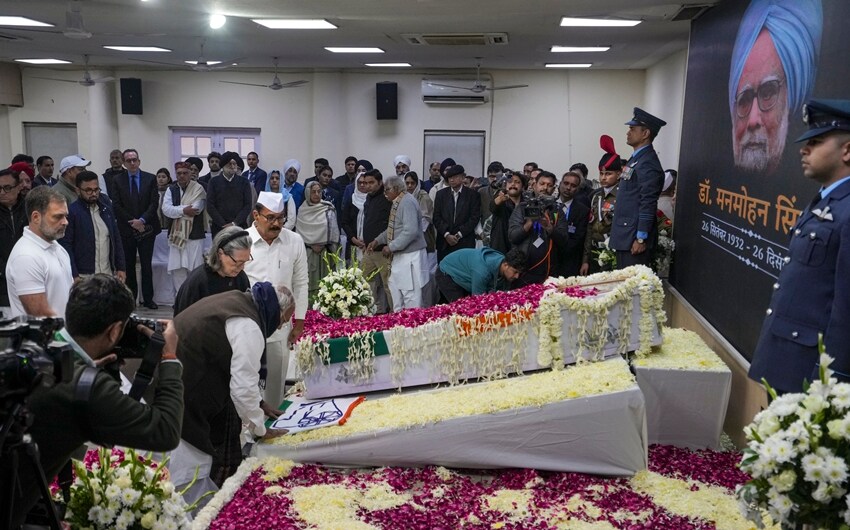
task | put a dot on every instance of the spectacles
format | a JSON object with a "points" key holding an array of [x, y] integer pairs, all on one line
{"points": [[7, 189], [767, 94], [131, 160], [237, 262], [90, 190], [274, 218]]}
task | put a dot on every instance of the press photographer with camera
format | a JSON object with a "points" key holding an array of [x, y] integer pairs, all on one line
{"points": [[92, 407], [507, 198], [539, 229]]}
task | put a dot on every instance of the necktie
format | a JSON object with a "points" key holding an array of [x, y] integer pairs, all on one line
{"points": [[134, 192]]}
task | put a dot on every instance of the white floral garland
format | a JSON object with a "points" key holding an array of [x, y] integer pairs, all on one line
{"points": [[205, 517], [637, 279]]}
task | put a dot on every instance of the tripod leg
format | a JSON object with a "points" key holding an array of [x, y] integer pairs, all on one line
{"points": [[53, 514]]}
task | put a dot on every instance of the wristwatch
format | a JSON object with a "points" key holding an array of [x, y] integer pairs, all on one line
{"points": [[641, 241]]}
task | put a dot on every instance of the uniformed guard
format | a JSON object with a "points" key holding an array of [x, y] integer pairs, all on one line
{"points": [[812, 295], [602, 202], [634, 234]]}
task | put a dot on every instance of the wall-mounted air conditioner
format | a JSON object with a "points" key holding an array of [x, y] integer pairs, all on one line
{"points": [[451, 92]]}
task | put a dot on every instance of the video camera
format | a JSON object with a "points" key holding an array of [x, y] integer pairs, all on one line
{"points": [[134, 344], [29, 356], [537, 206]]}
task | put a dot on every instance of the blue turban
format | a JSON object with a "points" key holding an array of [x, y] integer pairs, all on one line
{"points": [[795, 27]]}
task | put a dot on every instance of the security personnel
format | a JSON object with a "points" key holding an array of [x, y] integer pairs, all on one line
{"points": [[812, 295], [633, 234], [602, 202]]}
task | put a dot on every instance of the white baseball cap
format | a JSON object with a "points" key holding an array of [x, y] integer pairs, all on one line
{"points": [[73, 161]]}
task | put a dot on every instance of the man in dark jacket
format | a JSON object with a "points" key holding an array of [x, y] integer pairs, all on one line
{"points": [[577, 216], [503, 206], [97, 313], [457, 210], [229, 198], [376, 218], [13, 219], [91, 237]]}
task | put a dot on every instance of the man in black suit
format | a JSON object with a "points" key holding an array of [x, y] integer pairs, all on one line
{"points": [[256, 176], [457, 210], [135, 199], [577, 216]]}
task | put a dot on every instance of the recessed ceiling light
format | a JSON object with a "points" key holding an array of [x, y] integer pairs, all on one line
{"points": [[137, 48], [568, 65], [217, 20], [22, 21], [208, 63], [353, 50], [569, 49], [388, 65], [43, 61], [598, 22], [294, 23]]}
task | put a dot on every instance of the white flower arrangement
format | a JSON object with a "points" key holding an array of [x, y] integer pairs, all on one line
{"points": [[209, 512], [125, 494], [637, 279], [345, 292], [606, 257], [798, 454]]}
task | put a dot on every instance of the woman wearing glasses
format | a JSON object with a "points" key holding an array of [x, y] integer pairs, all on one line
{"points": [[222, 271]]}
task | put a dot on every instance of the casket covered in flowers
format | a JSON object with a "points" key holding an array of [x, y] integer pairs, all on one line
{"points": [[484, 337]]}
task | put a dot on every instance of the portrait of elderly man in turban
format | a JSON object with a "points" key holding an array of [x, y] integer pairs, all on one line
{"points": [[774, 62]]}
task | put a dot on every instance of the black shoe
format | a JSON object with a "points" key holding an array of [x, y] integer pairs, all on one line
{"points": [[151, 305]]}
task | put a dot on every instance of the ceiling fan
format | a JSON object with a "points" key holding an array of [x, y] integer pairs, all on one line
{"points": [[87, 79], [478, 86], [276, 82], [200, 64], [75, 27]]}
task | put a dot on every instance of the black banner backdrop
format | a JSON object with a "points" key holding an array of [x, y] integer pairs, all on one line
{"points": [[735, 205]]}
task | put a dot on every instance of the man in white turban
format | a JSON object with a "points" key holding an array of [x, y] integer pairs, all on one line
{"points": [[773, 69], [401, 163]]}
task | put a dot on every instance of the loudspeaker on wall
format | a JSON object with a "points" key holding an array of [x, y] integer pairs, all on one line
{"points": [[131, 95], [387, 100]]}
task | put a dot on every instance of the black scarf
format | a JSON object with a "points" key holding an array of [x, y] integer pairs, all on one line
{"points": [[265, 298]]}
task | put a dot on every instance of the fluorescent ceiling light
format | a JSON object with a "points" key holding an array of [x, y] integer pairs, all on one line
{"points": [[598, 22], [389, 65], [208, 63], [22, 21], [43, 61], [217, 20], [570, 49], [568, 65], [353, 50], [137, 48], [293, 23]]}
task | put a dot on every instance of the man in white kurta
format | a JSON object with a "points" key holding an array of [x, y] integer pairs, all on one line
{"points": [[186, 235], [279, 257]]}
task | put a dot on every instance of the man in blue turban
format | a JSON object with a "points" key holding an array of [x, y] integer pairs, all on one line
{"points": [[773, 69]]}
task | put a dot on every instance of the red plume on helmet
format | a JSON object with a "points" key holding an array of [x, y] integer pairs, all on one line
{"points": [[610, 160]]}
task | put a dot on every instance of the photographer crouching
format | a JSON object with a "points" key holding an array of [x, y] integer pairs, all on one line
{"points": [[91, 406], [538, 228]]}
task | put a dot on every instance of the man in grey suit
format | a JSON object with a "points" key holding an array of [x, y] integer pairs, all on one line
{"points": [[634, 233]]}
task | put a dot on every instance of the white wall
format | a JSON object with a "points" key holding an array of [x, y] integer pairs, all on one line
{"points": [[665, 98], [556, 121]]}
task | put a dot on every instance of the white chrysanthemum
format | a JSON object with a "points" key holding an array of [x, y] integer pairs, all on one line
{"points": [[105, 516], [813, 468], [148, 520], [836, 469], [113, 492], [124, 520], [129, 496], [781, 504]]}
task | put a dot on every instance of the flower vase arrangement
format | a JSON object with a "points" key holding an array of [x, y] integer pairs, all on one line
{"points": [[345, 292], [797, 456], [662, 257], [114, 489], [605, 256]]}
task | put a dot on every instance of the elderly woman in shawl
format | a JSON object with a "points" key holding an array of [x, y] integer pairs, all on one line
{"points": [[404, 242], [773, 69], [318, 227]]}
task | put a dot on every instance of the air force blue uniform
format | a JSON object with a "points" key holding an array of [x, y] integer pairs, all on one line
{"points": [[812, 295]]}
